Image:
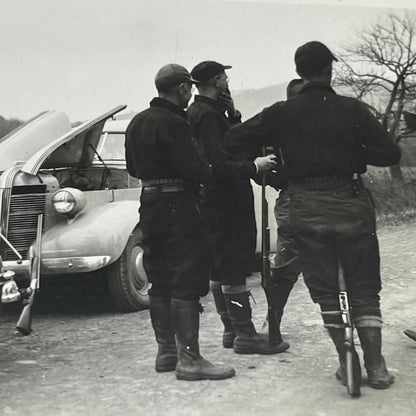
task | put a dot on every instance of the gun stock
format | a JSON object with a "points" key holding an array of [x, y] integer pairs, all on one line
{"points": [[352, 364], [24, 324]]}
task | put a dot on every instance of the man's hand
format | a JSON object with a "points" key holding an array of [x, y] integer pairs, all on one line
{"points": [[265, 163], [227, 101]]}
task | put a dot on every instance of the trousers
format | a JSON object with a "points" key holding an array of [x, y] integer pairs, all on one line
{"points": [[333, 225], [287, 261], [175, 247], [231, 227]]}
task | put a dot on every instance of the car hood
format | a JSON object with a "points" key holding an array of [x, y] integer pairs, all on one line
{"points": [[24, 141], [75, 148]]}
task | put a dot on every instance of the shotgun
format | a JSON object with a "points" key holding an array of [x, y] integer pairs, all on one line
{"points": [[24, 324], [352, 364], [266, 281]]}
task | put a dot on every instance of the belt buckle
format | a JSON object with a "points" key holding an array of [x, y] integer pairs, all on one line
{"points": [[172, 188], [151, 189]]}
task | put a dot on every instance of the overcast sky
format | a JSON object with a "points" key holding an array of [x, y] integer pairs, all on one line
{"points": [[86, 56]]}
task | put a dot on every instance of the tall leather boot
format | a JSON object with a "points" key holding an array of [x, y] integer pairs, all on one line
{"points": [[280, 294], [219, 299], [191, 366], [160, 314], [248, 341], [338, 338], [378, 376]]}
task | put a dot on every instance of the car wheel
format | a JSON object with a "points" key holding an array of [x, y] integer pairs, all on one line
{"points": [[127, 279]]}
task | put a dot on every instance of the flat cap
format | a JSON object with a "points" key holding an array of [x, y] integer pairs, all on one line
{"points": [[207, 69], [171, 75], [311, 57]]}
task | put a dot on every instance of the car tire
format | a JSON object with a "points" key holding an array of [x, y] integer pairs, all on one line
{"points": [[127, 279]]}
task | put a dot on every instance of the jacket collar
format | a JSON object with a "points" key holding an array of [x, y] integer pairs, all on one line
{"points": [[316, 86], [217, 105], [162, 102]]}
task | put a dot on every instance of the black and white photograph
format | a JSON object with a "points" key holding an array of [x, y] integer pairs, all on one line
{"points": [[208, 207]]}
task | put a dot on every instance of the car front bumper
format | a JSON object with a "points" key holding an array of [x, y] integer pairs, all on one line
{"points": [[63, 265]]}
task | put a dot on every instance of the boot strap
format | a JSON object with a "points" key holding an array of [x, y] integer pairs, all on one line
{"points": [[368, 321], [332, 319]]}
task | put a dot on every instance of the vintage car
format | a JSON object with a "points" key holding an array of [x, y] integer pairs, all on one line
{"points": [[77, 178]]}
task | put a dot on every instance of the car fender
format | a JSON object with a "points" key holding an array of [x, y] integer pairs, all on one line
{"points": [[101, 230]]}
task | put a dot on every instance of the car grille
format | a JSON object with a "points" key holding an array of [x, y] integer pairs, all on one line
{"points": [[23, 218]]}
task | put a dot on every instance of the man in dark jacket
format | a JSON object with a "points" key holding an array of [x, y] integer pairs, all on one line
{"points": [[287, 264], [160, 151], [326, 140], [228, 209]]}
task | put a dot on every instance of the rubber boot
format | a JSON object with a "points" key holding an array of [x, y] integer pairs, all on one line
{"points": [[378, 376], [280, 294], [229, 331], [248, 341], [160, 314], [191, 366], [338, 338]]}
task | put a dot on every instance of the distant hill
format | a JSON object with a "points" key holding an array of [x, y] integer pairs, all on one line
{"points": [[126, 116], [7, 125], [250, 102]]}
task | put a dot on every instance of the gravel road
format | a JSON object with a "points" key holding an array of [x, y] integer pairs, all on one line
{"points": [[83, 358]]}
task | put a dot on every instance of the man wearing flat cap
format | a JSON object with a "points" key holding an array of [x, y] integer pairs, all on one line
{"points": [[326, 141], [228, 209], [160, 151]]}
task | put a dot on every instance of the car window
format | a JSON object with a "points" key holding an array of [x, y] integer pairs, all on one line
{"points": [[112, 146]]}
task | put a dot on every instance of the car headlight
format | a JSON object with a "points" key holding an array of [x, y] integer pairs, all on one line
{"points": [[69, 201]]}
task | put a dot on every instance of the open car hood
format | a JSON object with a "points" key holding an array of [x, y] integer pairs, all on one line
{"points": [[23, 142], [75, 148]]}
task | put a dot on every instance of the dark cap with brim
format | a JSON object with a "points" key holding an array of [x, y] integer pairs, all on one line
{"points": [[208, 69], [172, 75], [312, 57]]}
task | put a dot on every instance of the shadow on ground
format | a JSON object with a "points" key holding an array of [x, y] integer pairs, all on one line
{"points": [[68, 296]]}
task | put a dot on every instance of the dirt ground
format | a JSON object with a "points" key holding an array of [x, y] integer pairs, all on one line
{"points": [[85, 359]]}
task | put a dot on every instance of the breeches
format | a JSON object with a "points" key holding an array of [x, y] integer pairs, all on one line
{"points": [[287, 262], [175, 249], [334, 226]]}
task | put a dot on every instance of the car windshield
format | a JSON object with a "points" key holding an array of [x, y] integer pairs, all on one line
{"points": [[112, 146]]}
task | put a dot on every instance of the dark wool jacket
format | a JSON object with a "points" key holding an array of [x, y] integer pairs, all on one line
{"points": [[209, 125], [319, 133], [159, 145]]}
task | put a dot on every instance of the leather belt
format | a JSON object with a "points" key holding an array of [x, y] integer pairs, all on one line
{"points": [[162, 181], [155, 189], [325, 182]]}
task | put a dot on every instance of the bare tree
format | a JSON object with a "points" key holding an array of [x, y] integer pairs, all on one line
{"points": [[379, 68]]}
